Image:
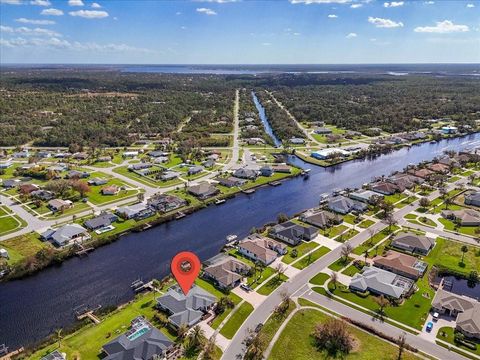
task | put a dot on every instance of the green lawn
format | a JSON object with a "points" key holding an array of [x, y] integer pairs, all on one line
{"points": [[271, 326], [86, 343], [302, 248], [10, 223], [340, 264], [256, 279], [448, 254], [373, 241], [349, 218], [236, 320], [450, 225], [272, 284], [333, 231], [295, 341], [23, 246], [347, 235], [449, 337], [366, 223], [395, 197], [319, 279], [310, 258], [351, 270]]}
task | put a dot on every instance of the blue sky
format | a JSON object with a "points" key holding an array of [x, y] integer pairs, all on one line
{"points": [[234, 32]]}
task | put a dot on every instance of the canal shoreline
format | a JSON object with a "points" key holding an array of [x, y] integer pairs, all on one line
{"points": [[20, 271]]}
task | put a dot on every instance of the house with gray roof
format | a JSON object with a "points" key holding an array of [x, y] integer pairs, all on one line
{"points": [[55, 355], [186, 309], [465, 309], [365, 196], [343, 205], [414, 243], [141, 342], [100, 222], [203, 190], [465, 217], [293, 233], [135, 211], [245, 173], [382, 282], [473, 198], [166, 202], [66, 234], [196, 169]]}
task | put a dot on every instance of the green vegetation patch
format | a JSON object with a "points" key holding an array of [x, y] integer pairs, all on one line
{"points": [[236, 320], [272, 284], [311, 257]]}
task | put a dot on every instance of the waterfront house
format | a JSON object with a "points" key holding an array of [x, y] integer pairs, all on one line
{"points": [[100, 222], [384, 187], [55, 355], [450, 162], [196, 169], [136, 211], [282, 168], [473, 198], [421, 173], [42, 195], [405, 181], [204, 190], [227, 273], [293, 233], [401, 264], [266, 170], [110, 190], [261, 248], [464, 217], [166, 202], [142, 341], [343, 205], [66, 234], [439, 168], [56, 205], [449, 129], [413, 243], [465, 309], [186, 309], [324, 154], [382, 282], [320, 218], [97, 181], [230, 181], [245, 173], [365, 196]]}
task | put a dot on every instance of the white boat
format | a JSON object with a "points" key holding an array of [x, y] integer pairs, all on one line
{"points": [[231, 238], [219, 201]]}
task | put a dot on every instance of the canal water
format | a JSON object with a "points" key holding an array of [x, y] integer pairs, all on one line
{"points": [[33, 308], [264, 119]]}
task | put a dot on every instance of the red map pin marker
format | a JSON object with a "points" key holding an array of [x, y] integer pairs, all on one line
{"points": [[185, 267]]}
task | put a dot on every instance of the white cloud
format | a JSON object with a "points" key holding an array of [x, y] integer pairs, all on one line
{"points": [[178, 13], [332, 16], [356, 6], [35, 22], [75, 3], [89, 14], [308, 2], [470, 5], [266, 44], [61, 44], [429, 2], [11, 2], [40, 2], [442, 27], [393, 4], [29, 31], [351, 36], [183, 27], [384, 23], [206, 11], [51, 11], [96, 5]]}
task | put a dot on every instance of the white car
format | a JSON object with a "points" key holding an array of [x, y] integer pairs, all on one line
{"points": [[435, 316]]}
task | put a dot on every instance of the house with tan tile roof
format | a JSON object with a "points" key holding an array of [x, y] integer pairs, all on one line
{"points": [[260, 248], [227, 273], [401, 264]]}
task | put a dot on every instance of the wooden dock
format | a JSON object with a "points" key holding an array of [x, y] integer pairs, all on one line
{"points": [[84, 312], [9, 356], [91, 316]]}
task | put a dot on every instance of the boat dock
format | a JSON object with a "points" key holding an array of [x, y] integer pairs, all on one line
{"points": [[248, 191], [275, 183], [5, 355], [84, 312], [138, 286]]}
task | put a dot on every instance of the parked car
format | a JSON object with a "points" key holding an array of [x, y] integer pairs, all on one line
{"points": [[246, 287], [258, 327], [435, 316], [429, 326]]}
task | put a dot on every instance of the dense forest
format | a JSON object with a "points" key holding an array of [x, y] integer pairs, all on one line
{"points": [[58, 107]]}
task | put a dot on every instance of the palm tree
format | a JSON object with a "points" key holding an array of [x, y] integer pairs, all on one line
{"points": [[382, 303], [334, 279], [464, 251], [182, 331], [58, 333], [156, 285], [366, 253], [196, 336]]}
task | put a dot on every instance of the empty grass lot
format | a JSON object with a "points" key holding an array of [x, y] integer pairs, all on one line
{"points": [[302, 249], [448, 254], [23, 246], [236, 320], [295, 341], [310, 258], [319, 279], [272, 284], [333, 231]]}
